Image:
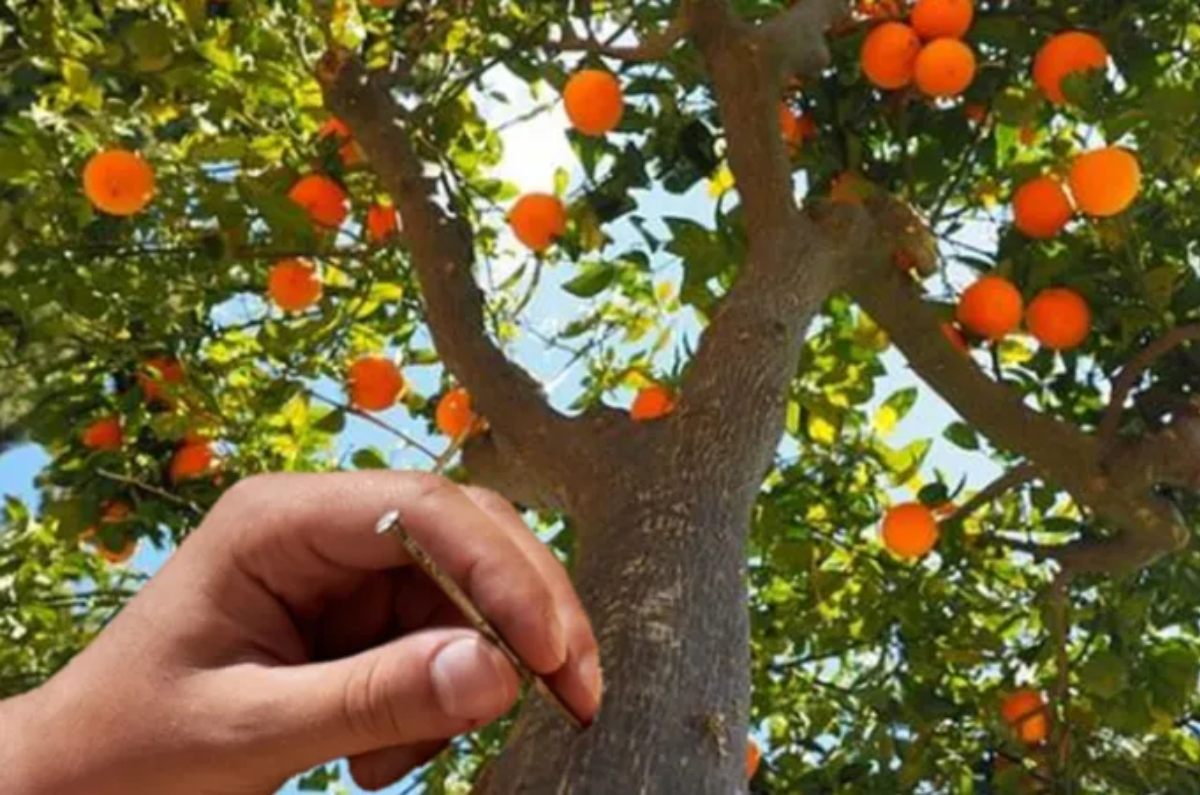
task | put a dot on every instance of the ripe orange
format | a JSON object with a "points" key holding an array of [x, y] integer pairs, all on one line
{"points": [[112, 512], [936, 19], [909, 530], [191, 460], [374, 383], [975, 112], [454, 416], [103, 434], [381, 223], [537, 219], [324, 200], [294, 285], [796, 127], [991, 308], [889, 55], [945, 68], [1059, 318], [594, 101], [1105, 181], [1041, 208], [753, 758], [955, 337], [1025, 711], [1065, 54], [879, 9], [1028, 135], [118, 182], [652, 403], [157, 377], [350, 152]]}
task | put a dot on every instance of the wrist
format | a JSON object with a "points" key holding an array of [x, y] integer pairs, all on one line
{"points": [[37, 754]]}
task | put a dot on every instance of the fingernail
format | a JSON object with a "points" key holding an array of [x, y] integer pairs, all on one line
{"points": [[468, 680], [589, 674], [558, 639]]}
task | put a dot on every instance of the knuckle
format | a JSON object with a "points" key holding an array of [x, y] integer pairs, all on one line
{"points": [[367, 710], [427, 486]]}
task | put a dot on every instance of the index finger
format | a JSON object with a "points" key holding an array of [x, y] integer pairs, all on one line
{"points": [[303, 536]]}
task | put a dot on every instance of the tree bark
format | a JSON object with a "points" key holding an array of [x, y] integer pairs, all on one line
{"points": [[662, 572]]}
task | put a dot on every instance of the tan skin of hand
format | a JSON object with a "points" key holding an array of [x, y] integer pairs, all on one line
{"points": [[285, 633]]}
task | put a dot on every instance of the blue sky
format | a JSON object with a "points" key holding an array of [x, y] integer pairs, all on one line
{"points": [[534, 150]]}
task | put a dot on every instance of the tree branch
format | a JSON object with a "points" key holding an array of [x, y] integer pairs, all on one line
{"points": [[655, 47], [1013, 478], [442, 252], [1061, 453], [1132, 372], [797, 37]]}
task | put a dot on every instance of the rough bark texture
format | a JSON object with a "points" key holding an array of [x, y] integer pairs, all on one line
{"points": [[661, 572]]}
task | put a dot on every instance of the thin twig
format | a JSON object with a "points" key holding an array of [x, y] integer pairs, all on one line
{"points": [[393, 524], [1133, 371], [378, 423], [151, 489], [1013, 478], [1059, 602], [656, 46]]}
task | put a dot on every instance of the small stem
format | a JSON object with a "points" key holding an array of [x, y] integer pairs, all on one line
{"points": [[1013, 478], [378, 423], [150, 489]]}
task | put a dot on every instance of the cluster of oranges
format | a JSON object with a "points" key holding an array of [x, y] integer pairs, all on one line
{"points": [[595, 105], [992, 308], [928, 51], [1103, 182]]}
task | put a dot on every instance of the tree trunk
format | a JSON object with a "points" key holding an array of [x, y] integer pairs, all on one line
{"points": [[662, 572]]}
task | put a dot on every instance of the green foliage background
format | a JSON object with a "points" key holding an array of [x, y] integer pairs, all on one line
{"points": [[870, 675]]}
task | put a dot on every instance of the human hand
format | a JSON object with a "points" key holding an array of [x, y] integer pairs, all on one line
{"points": [[285, 633]]}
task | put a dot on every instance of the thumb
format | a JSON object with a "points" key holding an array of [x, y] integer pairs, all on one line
{"points": [[429, 685]]}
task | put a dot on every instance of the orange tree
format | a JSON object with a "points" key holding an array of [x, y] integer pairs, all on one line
{"points": [[856, 168]]}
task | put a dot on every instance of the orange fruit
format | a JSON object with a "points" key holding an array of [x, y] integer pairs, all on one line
{"points": [[1041, 208], [652, 403], [1025, 711], [936, 19], [1066, 54], [191, 460], [795, 127], [975, 112], [294, 285], [955, 337], [945, 68], [349, 151], [381, 223], [103, 434], [909, 530], [1027, 136], [385, 3], [159, 374], [1059, 318], [374, 383], [753, 758], [118, 182], [879, 9], [889, 55], [323, 199], [537, 219], [991, 308], [1105, 181], [594, 101], [112, 512], [454, 416]]}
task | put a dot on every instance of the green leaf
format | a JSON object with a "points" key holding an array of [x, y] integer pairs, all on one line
{"points": [[1105, 674], [962, 435], [593, 278], [369, 458]]}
